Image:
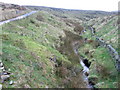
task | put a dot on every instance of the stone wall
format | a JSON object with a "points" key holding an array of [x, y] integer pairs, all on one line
{"points": [[114, 54]]}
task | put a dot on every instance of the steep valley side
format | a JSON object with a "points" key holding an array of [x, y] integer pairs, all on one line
{"points": [[44, 50]]}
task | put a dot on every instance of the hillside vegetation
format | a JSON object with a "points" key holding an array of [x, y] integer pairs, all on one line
{"points": [[29, 52], [38, 52], [8, 11], [102, 71]]}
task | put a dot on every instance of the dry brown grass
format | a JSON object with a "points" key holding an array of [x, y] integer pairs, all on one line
{"points": [[102, 70], [78, 28], [40, 18]]}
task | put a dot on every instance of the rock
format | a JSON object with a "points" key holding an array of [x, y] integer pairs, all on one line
{"points": [[53, 59], [0, 86], [4, 70], [11, 82], [26, 86], [115, 84], [4, 77], [9, 70], [73, 74], [1, 68], [6, 73], [1, 64], [46, 87], [100, 85]]}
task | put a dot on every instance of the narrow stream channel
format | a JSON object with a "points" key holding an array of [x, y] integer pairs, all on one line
{"points": [[85, 77], [72, 42], [85, 69]]}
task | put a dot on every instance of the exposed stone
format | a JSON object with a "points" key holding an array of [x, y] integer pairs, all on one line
{"points": [[9, 69], [11, 82], [1, 68], [26, 86], [4, 77], [99, 85], [73, 74], [1, 64], [53, 58], [46, 87], [115, 84], [0, 86], [4, 70]]}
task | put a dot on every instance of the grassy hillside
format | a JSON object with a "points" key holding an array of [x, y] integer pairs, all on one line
{"points": [[102, 71], [79, 14], [106, 28], [29, 53], [38, 50]]}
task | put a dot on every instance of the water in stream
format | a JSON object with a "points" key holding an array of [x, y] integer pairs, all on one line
{"points": [[85, 69], [70, 48]]}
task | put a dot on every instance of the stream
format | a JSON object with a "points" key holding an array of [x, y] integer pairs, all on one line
{"points": [[85, 69], [72, 42]]}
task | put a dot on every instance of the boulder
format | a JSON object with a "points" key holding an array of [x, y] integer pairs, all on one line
{"points": [[4, 77], [100, 84], [1, 64], [11, 82], [0, 86]]}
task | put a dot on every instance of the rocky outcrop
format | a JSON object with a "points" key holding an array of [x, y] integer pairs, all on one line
{"points": [[4, 75]]}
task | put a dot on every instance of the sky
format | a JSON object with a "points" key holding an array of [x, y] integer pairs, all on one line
{"points": [[104, 5]]}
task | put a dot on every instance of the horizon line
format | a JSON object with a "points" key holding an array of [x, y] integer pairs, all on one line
{"points": [[63, 8]]}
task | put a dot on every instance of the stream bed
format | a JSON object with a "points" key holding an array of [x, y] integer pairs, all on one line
{"points": [[85, 77], [85, 69], [72, 42]]}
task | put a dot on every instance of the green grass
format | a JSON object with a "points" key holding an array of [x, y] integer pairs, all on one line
{"points": [[103, 66], [28, 58], [33, 60], [106, 28], [28, 45]]}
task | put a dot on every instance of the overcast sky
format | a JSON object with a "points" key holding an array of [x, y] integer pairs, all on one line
{"points": [[104, 5]]}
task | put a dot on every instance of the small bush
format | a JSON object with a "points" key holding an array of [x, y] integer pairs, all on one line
{"points": [[19, 43], [62, 71], [78, 29], [40, 18]]}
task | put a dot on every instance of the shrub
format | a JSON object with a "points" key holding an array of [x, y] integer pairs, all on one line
{"points": [[40, 18], [62, 71], [78, 29], [19, 43]]}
